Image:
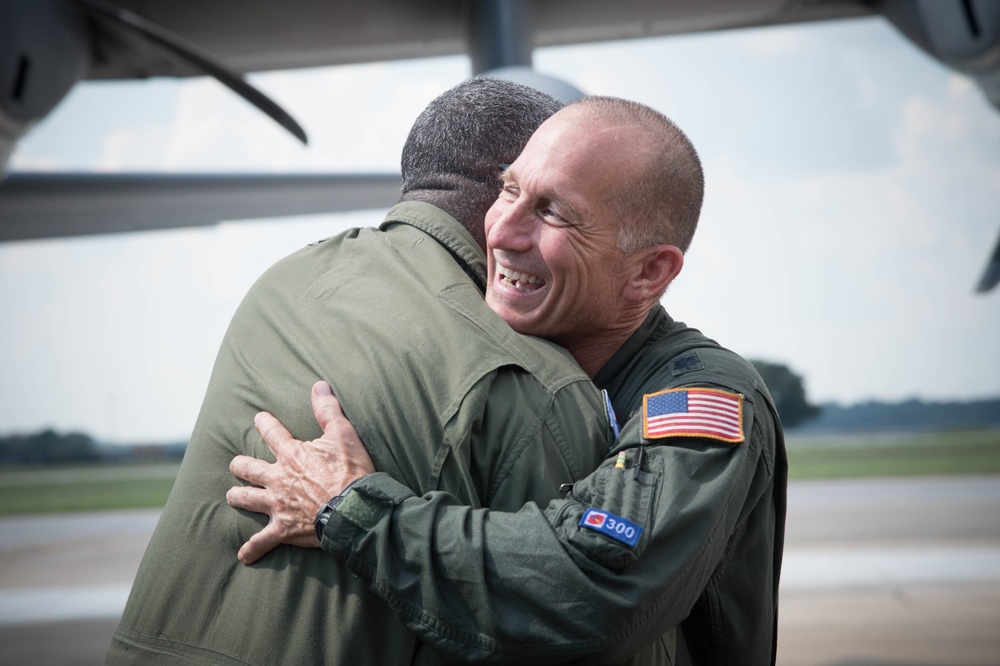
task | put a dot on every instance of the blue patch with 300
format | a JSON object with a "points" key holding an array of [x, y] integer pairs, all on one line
{"points": [[616, 527]]}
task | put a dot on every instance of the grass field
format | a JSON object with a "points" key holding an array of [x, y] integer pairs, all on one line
{"points": [[954, 452], [45, 490]]}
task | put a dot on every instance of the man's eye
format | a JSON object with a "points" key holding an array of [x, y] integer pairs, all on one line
{"points": [[552, 216]]}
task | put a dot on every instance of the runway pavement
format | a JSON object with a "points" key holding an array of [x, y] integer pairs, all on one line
{"points": [[892, 572], [878, 572]]}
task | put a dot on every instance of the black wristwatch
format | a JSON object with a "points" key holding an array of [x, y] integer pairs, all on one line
{"points": [[323, 517]]}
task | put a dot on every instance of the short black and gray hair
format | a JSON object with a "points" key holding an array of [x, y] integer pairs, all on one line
{"points": [[457, 146], [662, 206]]}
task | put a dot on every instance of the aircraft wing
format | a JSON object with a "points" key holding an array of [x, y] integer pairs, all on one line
{"points": [[46, 205], [256, 35]]}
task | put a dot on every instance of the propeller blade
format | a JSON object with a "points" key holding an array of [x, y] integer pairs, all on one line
{"points": [[196, 57], [48, 205], [991, 276]]}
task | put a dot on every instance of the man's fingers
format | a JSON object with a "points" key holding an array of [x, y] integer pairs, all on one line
{"points": [[259, 545], [254, 470], [272, 431], [253, 499]]}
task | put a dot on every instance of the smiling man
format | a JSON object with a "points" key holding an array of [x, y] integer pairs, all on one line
{"points": [[450, 397], [591, 280], [670, 552]]}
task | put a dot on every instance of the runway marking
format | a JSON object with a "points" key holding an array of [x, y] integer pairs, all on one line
{"points": [[63, 603], [889, 566]]}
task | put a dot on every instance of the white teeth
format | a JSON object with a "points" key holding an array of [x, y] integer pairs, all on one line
{"points": [[518, 280]]}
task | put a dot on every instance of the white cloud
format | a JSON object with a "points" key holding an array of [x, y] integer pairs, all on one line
{"points": [[116, 150], [21, 160]]}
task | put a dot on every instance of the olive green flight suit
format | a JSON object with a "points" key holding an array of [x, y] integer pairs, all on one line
{"points": [[450, 398], [699, 586]]}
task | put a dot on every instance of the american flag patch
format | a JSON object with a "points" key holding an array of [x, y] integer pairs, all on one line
{"points": [[693, 412]]}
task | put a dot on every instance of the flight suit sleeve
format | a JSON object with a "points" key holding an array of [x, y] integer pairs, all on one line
{"points": [[543, 586]]}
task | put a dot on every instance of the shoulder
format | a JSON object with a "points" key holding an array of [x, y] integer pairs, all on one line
{"points": [[682, 359], [547, 363], [714, 368], [683, 356], [717, 366], [310, 260]]}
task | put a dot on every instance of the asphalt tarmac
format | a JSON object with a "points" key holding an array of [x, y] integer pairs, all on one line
{"points": [[877, 572]]}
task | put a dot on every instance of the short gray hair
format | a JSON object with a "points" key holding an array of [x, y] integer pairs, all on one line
{"points": [[664, 203], [461, 142]]}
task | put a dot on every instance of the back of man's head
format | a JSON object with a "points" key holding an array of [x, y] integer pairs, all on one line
{"points": [[453, 155]]}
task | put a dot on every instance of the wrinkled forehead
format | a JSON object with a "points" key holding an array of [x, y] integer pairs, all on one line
{"points": [[576, 147]]}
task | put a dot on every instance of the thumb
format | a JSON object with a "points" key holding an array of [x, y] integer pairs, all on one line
{"points": [[326, 407]]}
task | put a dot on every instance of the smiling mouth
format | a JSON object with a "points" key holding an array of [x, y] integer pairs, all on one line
{"points": [[520, 281]]}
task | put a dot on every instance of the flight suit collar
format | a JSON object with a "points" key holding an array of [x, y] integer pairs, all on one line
{"points": [[446, 230]]}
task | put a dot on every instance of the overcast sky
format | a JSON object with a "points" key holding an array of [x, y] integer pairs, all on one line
{"points": [[853, 198]]}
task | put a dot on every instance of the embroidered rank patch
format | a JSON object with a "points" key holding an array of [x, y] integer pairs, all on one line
{"points": [[686, 363], [616, 527], [693, 412]]}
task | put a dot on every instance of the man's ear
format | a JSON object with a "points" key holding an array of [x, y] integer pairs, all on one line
{"points": [[655, 268]]}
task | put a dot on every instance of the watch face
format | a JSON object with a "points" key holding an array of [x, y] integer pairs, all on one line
{"points": [[324, 516]]}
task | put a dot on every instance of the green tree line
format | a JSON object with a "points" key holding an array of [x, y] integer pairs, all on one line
{"points": [[789, 393], [48, 447]]}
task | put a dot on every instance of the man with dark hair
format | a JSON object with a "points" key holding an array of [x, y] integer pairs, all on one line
{"points": [[670, 552], [450, 398]]}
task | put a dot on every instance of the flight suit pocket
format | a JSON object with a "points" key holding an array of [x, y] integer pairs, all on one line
{"points": [[615, 523]]}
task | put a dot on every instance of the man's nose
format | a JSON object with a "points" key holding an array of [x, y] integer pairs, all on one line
{"points": [[512, 229]]}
